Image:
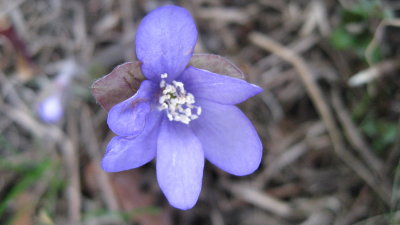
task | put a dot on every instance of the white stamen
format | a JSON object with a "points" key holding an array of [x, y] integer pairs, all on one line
{"points": [[188, 112], [178, 103], [162, 84]]}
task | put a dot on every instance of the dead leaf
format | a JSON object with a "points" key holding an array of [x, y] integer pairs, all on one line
{"points": [[131, 195], [123, 82]]}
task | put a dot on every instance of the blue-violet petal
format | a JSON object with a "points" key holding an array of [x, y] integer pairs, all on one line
{"points": [[228, 138], [128, 117], [165, 41], [124, 153], [218, 88], [180, 162]]}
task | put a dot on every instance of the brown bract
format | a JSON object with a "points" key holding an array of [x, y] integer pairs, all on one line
{"points": [[124, 80]]}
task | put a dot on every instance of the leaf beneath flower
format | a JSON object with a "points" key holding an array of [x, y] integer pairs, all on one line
{"points": [[216, 64], [120, 84], [125, 79]]}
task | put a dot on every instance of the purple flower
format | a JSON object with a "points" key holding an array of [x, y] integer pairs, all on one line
{"points": [[181, 114], [50, 110]]}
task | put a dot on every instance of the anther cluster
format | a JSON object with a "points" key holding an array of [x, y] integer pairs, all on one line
{"points": [[178, 103]]}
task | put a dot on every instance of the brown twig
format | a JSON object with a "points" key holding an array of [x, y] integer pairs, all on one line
{"points": [[263, 200], [378, 36], [374, 72], [93, 148], [354, 136], [321, 105]]}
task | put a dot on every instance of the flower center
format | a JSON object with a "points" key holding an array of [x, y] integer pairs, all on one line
{"points": [[177, 101]]}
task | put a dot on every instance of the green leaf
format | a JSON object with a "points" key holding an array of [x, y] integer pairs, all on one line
{"points": [[341, 39]]}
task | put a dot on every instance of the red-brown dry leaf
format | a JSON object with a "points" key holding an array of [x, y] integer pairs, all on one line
{"points": [[130, 196], [25, 66], [126, 187], [123, 82]]}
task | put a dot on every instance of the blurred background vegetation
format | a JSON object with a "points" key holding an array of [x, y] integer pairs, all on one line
{"points": [[328, 118]]}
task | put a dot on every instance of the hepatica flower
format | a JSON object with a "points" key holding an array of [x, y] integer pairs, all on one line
{"points": [[50, 110], [51, 107], [180, 114]]}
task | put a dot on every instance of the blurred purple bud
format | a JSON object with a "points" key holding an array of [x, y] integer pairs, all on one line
{"points": [[50, 110]]}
